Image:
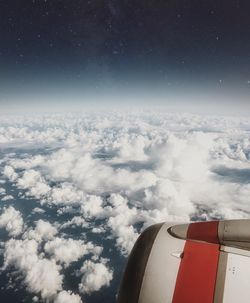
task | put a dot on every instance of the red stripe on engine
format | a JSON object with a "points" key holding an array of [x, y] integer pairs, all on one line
{"points": [[204, 231], [196, 278]]}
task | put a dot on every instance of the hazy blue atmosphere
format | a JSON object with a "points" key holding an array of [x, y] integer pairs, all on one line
{"points": [[102, 50]]}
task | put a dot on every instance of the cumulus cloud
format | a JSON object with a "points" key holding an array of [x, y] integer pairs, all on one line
{"points": [[66, 251], [75, 221], [120, 220], [7, 198], [11, 219], [38, 210], [92, 175], [43, 231], [131, 148], [169, 197], [65, 194], [184, 159], [67, 297], [27, 163], [41, 275], [34, 183], [98, 230], [2, 191], [94, 276], [10, 134], [92, 206], [109, 176], [10, 173]]}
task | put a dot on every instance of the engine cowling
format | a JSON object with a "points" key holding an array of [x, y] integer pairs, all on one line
{"points": [[203, 262]]}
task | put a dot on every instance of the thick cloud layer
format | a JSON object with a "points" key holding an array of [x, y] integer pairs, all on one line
{"points": [[93, 182]]}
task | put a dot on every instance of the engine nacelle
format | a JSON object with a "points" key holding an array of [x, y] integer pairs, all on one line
{"points": [[203, 262]]}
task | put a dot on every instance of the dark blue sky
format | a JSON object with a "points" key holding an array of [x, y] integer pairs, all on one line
{"points": [[93, 43]]}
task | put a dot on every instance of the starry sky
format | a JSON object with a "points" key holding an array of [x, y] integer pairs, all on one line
{"points": [[116, 44]]}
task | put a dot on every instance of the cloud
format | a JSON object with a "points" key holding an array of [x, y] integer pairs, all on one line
{"points": [[184, 158], [131, 148], [169, 197], [7, 198], [94, 277], [67, 297], [66, 251], [75, 221], [98, 230], [92, 206], [27, 163], [41, 275], [160, 164], [10, 134], [43, 231], [34, 182], [105, 177], [2, 191], [10, 173], [38, 210], [120, 220], [11, 219], [65, 194]]}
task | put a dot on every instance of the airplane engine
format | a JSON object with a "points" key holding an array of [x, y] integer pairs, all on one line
{"points": [[203, 262]]}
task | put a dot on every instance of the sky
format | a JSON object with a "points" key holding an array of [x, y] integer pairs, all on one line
{"points": [[77, 188], [112, 48]]}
